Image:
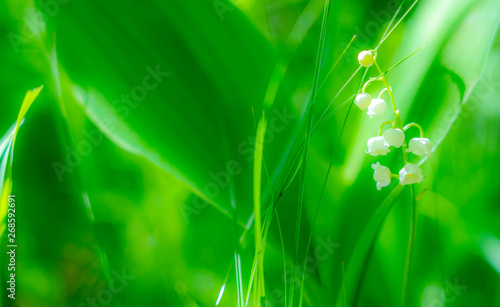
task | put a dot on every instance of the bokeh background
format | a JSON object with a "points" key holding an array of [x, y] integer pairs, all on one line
{"points": [[137, 158]]}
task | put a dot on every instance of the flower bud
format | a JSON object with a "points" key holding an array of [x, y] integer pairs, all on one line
{"points": [[366, 58], [377, 108], [410, 174], [382, 175], [363, 100], [377, 146], [420, 146], [394, 137]]}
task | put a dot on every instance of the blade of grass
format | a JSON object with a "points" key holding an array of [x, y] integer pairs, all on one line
{"points": [[252, 277], [236, 242], [399, 21], [343, 284], [7, 137], [335, 64], [237, 250], [257, 178], [390, 24], [285, 186], [340, 91], [289, 179], [332, 156], [5, 144], [29, 98], [269, 211], [311, 107], [239, 279], [296, 36], [283, 251], [223, 287], [8, 143]]}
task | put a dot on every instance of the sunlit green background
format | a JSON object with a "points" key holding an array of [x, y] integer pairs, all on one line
{"points": [[161, 99]]}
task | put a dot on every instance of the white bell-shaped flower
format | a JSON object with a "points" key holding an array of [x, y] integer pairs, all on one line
{"points": [[366, 58], [420, 146], [363, 100], [377, 108], [377, 146], [394, 137], [382, 175], [410, 174]]}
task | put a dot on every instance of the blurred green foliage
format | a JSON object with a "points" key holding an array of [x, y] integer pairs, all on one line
{"points": [[133, 171]]}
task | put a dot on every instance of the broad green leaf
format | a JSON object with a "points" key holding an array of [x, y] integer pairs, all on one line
{"points": [[180, 114]]}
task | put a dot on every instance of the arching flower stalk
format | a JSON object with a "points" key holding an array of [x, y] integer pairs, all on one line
{"points": [[394, 136]]}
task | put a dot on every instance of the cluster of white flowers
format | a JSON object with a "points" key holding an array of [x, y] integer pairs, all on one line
{"points": [[393, 137]]}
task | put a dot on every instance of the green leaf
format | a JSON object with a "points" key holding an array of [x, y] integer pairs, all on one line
{"points": [[178, 114], [7, 144]]}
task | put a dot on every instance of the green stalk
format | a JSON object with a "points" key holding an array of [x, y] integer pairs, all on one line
{"points": [[386, 84], [257, 178], [343, 284], [411, 242], [413, 220]]}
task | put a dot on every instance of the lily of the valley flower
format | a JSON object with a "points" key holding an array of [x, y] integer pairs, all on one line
{"points": [[394, 137], [377, 108], [377, 146], [363, 100], [410, 174], [366, 58], [382, 175], [420, 146]]}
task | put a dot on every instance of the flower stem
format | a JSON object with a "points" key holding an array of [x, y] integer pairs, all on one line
{"points": [[413, 219], [382, 93], [405, 154], [384, 80], [415, 125], [382, 126], [397, 120], [411, 241]]}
